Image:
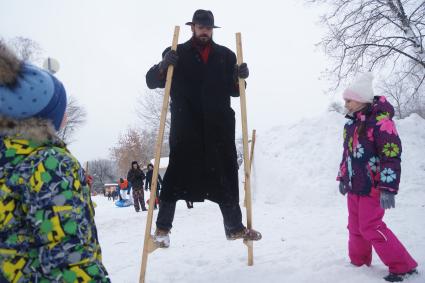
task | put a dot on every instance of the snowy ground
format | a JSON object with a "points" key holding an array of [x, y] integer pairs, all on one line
{"points": [[296, 207]]}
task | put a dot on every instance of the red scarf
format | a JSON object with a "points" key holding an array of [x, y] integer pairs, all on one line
{"points": [[205, 53]]}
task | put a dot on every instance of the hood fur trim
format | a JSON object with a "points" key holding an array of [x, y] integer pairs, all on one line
{"points": [[10, 66], [35, 129]]}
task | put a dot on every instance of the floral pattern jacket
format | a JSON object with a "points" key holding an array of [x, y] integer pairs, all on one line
{"points": [[371, 159]]}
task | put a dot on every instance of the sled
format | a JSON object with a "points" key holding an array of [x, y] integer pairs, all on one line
{"points": [[123, 203]]}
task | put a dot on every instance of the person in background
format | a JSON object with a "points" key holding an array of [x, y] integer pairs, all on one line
{"points": [[148, 183], [117, 191], [124, 188], [136, 177]]}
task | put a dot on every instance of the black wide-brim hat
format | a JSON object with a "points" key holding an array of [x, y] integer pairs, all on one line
{"points": [[203, 18]]}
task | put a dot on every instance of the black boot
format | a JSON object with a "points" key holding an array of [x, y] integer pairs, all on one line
{"points": [[393, 277]]}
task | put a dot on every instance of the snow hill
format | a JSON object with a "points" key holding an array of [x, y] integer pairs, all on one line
{"points": [[297, 207], [297, 164]]}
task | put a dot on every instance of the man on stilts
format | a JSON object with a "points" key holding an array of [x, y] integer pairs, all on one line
{"points": [[202, 133]]}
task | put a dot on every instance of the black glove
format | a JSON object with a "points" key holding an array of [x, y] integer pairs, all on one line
{"points": [[170, 58], [241, 71], [342, 188]]}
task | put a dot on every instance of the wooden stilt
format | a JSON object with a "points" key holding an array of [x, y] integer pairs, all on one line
{"points": [[245, 150], [149, 245], [250, 160]]}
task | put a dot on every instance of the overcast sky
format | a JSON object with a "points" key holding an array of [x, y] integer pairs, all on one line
{"points": [[106, 47]]}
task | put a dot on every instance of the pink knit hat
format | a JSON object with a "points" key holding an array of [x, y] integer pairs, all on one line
{"points": [[361, 89]]}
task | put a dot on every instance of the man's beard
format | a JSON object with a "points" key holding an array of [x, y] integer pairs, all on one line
{"points": [[202, 39]]}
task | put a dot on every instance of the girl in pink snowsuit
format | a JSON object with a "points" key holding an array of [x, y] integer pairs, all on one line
{"points": [[370, 174]]}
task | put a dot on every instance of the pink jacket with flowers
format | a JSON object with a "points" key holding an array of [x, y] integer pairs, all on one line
{"points": [[372, 159]]}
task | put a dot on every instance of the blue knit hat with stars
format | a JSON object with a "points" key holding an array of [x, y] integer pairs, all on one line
{"points": [[34, 93]]}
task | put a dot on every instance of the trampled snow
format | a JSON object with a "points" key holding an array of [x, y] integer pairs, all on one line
{"points": [[297, 207]]}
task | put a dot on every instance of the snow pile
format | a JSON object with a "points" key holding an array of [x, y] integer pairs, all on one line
{"points": [[297, 207], [297, 164]]}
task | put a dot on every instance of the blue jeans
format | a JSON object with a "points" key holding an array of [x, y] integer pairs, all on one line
{"points": [[232, 216]]}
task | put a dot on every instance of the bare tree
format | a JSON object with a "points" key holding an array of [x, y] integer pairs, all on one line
{"points": [[26, 49], [103, 171], [149, 108], [369, 34], [395, 90], [128, 149], [419, 107], [135, 145], [148, 140], [75, 118], [416, 103], [383, 35]]}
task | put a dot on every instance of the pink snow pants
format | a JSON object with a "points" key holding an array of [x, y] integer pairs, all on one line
{"points": [[367, 230]]}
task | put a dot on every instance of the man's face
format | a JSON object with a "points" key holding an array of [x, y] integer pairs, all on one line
{"points": [[203, 33], [134, 166]]}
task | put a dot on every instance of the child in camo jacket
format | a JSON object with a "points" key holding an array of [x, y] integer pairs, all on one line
{"points": [[47, 229]]}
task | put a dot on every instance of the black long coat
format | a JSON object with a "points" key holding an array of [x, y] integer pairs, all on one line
{"points": [[203, 162]]}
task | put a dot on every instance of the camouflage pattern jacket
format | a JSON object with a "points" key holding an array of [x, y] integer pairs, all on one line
{"points": [[47, 229]]}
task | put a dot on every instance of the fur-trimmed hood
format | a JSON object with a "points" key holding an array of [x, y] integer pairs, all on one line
{"points": [[35, 129], [9, 66]]}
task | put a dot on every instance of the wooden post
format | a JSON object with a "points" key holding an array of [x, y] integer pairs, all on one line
{"points": [[250, 159], [251, 156], [245, 150], [149, 246]]}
